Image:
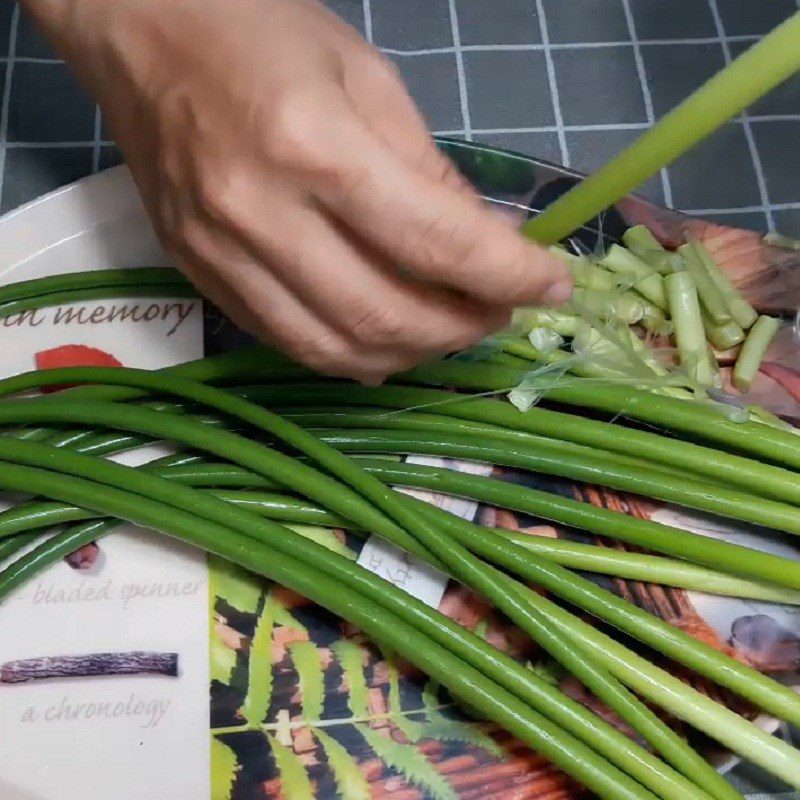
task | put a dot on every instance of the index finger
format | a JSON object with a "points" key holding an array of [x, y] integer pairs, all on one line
{"points": [[437, 233]]}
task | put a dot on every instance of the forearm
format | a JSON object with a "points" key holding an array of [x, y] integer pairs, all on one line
{"points": [[77, 31], [111, 45], [57, 19]]}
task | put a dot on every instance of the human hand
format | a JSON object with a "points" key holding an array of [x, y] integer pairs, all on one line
{"points": [[285, 167]]}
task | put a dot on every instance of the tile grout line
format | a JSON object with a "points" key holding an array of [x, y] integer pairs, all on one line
{"points": [[743, 209], [470, 48], [57, 145], [6, 101], [666, 186], [461, 72], [481, 47], [367, 8], [33, 60], [773, 117], [747, 129], [551, 78], [611, 126], [98, 129]]}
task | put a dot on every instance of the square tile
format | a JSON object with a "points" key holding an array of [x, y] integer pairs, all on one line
{"points": [[788, 222], [496, 100], [110, 156], [748, 18], [411, 24], [674, 71], [751, 220], [589, 150], [351, 11], [784, 99], [717, 173], [433, 82], [543, 146], [30, 42], [674, 19], [599, 86], [31, 172], [777, 148], [47, 105], [6, 10], [498, 22], [585, 21]]}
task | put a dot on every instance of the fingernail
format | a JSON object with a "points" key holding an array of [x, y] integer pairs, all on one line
{"points": [[558, 293]]}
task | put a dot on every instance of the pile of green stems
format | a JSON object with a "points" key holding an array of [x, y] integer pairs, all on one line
{"points": [[17, 298], [365, 501], [183, 495]]}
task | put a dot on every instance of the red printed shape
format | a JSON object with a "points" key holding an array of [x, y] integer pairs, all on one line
{"points": [[73, 355]]}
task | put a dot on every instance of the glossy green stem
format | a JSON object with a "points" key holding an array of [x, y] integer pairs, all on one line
{"points": [[772, 445], [174, 290], [13, 544], [94, 279], [575, 555], [94, 406], [250, 363], [460, 561], [460, 678], [730, 558], [631, 619], [294, 475], [756, 478], [547, 458], [463, 565], [634, 621], [732, 726], [366, 417], [679, 646]]}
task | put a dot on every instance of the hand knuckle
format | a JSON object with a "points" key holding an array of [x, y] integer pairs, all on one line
{"points": [[324, 353], [301, 148], [170, 169], [291, 138], [517, 274], [381, 325], [181, 229], [217, 192], [384, 68], [444, 171], [442, 243]]}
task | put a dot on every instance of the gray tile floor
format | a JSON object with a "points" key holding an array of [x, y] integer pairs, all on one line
{"points": [[571, 81]]}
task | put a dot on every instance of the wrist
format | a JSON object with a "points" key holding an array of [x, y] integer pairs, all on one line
{"points": [[91, 36], [66, 23], [52, 16]]}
